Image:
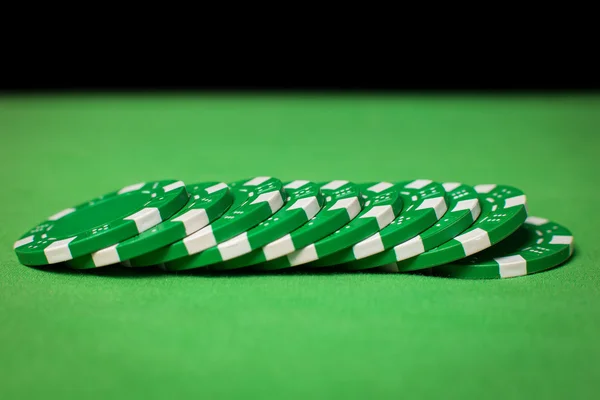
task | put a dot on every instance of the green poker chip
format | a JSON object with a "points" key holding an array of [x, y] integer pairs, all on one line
{"points": [[424, 205], [382, 204], [254, 200], [207, 202], [451, 229], [504, 210], [536, 246], [303, 203], [101, 222], [463, 210], [342, 203]]}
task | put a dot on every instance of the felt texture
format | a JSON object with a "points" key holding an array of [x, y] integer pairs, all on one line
{"points": [[121, 333]]}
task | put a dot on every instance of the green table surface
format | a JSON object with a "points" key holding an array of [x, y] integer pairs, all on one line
{"points": [[117, 333]]}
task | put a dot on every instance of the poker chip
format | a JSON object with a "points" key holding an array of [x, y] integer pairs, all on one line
{"points": [[450, 229], [463, 210], [424, 205], [101, 222], [254, 200], [343, 202], [503, 211], [206, 203], [538, 245], [303, 202], [382, 204]]}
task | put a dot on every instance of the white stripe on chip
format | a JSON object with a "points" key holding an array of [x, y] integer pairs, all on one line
{"points": [[131, 188], [257, 181], [437, 203], [511, 266], [310, 205], [23, 242], [474, 241], [515, 201], [235, 247], [296, 184], [193, 220], [409, 249], [173, 186], [384, 215], [216, 188], [273, 198], [333, 185], [61, 214], [418, 184], [486, 188], [146, 218], [59, 251], [380, 187], [279, 247], [303, 256], [450, 186], [368, 247], [351, 204], [200, 241], [537, 221], [106, 256]]}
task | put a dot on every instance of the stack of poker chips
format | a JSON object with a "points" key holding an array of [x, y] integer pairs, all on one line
{"points": [[263, 224]]}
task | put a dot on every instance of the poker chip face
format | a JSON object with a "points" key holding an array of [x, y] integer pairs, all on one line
{"points": [[538, 245], [304, 200], [101, 222], [207, 202], [504, 210], [343, 202], [383, 203], [463, 210], [424, 203], [254, 200]]}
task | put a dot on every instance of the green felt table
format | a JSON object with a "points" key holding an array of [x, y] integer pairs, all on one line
{"points": [[117, 333]]}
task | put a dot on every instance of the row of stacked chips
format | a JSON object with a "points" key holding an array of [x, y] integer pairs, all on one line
{"points": [[450, 229]]}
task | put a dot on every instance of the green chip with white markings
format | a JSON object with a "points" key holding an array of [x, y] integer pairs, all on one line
{"points": [[463, 210], [424, 204], [377, 212], [343, 202], [503, 211], [101, 222], [536, 246], [207, 202], [303, 203], [254, 201], [383, 203]]}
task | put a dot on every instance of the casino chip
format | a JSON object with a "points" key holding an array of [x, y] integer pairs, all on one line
{"points": [[454, 230], [382, 204], [342, 203], [424, 205], [304, 202], [254, 201], [207, 202], [463, 210], [504, 209], [537, 246], [101, 222]]}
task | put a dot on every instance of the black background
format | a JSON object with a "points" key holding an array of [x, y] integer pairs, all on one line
{"points": [[431, 75]]}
